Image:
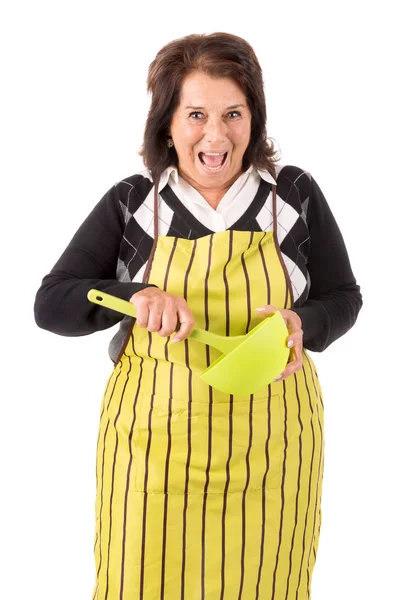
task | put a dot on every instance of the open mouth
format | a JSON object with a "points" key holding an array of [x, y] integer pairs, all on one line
{"points": [[213, 161]]}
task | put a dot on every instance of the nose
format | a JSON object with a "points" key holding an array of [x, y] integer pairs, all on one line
{"points": [[215, 130]]}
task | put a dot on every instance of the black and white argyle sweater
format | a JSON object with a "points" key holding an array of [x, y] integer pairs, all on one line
{"points": [[110, 250]]}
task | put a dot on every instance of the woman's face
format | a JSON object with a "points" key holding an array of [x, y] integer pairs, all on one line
{"points": [[210, 130]]}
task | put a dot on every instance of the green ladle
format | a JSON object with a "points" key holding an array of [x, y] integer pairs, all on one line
{"points": [[220, 342], [248, 362]]}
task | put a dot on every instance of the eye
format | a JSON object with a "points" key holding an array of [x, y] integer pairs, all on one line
{"points": [[195, 113], [235, 112]]}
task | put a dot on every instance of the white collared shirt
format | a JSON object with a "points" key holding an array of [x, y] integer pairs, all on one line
{"points": [[231, 207]]}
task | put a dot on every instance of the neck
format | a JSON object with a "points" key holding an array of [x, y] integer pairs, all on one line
{"points": [[212, 195]]}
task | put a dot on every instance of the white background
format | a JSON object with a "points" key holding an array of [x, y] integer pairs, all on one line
{"points": [[73, 110]]}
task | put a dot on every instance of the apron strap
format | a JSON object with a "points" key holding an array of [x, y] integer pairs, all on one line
{"points": [[274, 215], [289, 288], [153, 248]]}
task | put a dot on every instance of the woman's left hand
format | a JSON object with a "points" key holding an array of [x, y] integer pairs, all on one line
{"points": [[294, 340]]}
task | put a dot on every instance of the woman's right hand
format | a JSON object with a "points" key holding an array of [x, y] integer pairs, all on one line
{"points": [[158, 311]]}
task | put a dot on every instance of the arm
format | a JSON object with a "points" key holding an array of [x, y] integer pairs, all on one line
{"points": [[334, 300], [89, 261]]}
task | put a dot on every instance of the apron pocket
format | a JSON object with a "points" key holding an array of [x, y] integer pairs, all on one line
{"points": [[181, 450]]}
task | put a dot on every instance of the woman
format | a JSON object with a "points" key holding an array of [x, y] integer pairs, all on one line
{"points": [[202, 494]]}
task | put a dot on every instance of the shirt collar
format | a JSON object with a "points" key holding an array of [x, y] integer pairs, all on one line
{"points": [[266, 175], [172, 171]]}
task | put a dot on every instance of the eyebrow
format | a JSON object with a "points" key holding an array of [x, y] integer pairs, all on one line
{"points": [[228, 108]]}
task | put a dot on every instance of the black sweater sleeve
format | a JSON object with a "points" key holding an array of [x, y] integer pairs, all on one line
{"points": [[89, 261], [334, 299]]}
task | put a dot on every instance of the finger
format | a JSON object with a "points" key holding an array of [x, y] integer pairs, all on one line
{"points": [[169, 320], [296, 353], [295, 363], [186, 321], [294, 339], [267, 309], [293, 321], [142, 311], [293, 367], [292, 356], [155, 317]]}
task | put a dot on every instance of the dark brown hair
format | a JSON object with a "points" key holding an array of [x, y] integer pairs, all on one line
{"points": [[216, 55]]}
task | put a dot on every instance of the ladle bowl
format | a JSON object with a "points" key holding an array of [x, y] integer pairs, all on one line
{"points": [[255, 362]]}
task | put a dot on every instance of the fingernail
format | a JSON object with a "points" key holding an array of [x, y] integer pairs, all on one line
{"points": [[261, 309], [176, 339], [290, 343], [277, 379]]}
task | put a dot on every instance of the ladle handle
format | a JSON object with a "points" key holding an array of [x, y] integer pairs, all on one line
{"points": [[109, 301], [206, 337], [127, 308]]}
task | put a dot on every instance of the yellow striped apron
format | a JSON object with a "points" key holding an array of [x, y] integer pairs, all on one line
{"points": [[203, 495]]}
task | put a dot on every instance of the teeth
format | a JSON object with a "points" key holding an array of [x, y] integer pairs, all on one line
{"points": [[212, 154]]}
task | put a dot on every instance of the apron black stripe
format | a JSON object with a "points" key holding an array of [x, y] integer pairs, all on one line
{"points": [[102, 472], [282, 490], [128, 473], [171, 256], [263, 506], [248, 299], [244, 494], [165, 520], [169, 443], [146, 470], [190, 398], [287, 298], [204, 513], [230, 441], [246, 275], [316, 503], [206, 311], [310, 471], [97, 447], [228, 478], [319, 465], [267, 279], [227, 310], [113, 473], [298, 482], [267, 458], [319, 394], [105, 395], [98, 537], [101, 507], [210, 404]]}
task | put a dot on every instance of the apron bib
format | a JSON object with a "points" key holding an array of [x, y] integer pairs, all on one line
{"points": [[203, 495]]}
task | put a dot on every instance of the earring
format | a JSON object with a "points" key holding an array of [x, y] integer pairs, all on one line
{"points": [[170, 142]]}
